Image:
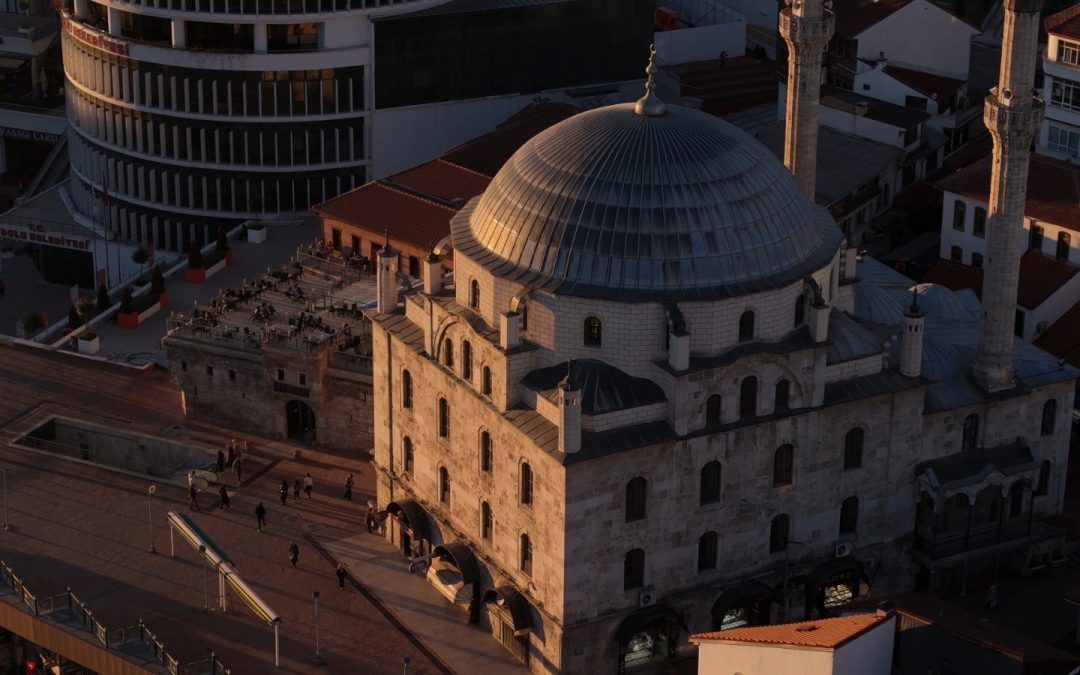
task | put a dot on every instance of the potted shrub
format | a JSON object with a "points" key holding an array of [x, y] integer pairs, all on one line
{"points": [[140, 256], [196, 270], [222, 246], [157, 286], [103, 301], [75, 318], [89, 343], [127, 317], [31, 324]]}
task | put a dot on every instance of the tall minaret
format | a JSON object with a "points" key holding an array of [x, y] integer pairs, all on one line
{"points": [[1012, 114], [806, 26]]}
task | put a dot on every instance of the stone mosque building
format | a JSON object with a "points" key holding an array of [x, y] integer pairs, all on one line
{"points": [[660, 395]]}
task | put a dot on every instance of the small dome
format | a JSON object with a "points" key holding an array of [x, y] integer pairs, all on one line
{"points": [[618, 205]]}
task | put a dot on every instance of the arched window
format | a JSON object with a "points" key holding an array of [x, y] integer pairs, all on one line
{"points": [[485, 381], [800, 310], [710, 482], [634, 569], [783, 465], [778, 533], [444, 485], [525, 563], [406, 389], [971, 432], [959, 210], [523, 310], [636, 496], [444, 418], [526, 484], [706, 552], [1044, 478], [849, 516], [466, 359], [407, 454], [748, 397], [448, 353], [1049, 417], [713, 410], [853, 447], [783, 394], [1016, 499], [746, 326], [485, 521], [593, 332], [474, 294], [485, 451]]}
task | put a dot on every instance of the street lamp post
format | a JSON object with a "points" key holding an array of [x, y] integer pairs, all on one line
{"points": [[405, 665], [150, 515], [205, 596], [318, 654]]}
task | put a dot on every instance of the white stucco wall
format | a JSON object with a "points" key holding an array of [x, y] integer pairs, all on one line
{"points": [[869, 654], [879, 84], [862, 126], [753, 659], [702, 43], [921, 36]]}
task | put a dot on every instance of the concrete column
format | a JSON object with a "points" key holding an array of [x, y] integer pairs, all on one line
{"points": [[679, 351], [431, 274], [509, 330], [570, 424], [806, 27], [260, 38], [819, 322], [912, 341], [114, 21], [82, 7], [1013, 115], [179, 33], [386, 280]]}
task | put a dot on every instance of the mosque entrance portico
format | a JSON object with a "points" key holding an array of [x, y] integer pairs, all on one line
{"points": [[300, 422]]}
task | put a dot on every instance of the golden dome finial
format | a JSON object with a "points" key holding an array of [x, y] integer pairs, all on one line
{"points": [[649, 104]]}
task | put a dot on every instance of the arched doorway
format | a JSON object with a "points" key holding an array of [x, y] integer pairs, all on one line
{"points": [[511, 620], [300, 422], [744, 605], [647, 639]]}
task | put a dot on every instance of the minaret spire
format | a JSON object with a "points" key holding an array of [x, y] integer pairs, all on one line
{"points": [[806, 26], [650, 104], [1012, 114]]}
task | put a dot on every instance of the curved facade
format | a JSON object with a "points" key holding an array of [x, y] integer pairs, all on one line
{"points": [[194, 113]]}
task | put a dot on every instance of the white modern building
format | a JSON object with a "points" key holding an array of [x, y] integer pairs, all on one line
{"points": [[1060, 134], [186, 114]]}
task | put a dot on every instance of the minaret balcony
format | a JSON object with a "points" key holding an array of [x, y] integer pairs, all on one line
{"points": [[797, 29], [1013, 120]]}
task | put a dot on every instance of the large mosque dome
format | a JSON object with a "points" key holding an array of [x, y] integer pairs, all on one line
{"points": [[673, 204]]}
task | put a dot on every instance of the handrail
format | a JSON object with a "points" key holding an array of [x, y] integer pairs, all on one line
{"points": [[107, 637]]}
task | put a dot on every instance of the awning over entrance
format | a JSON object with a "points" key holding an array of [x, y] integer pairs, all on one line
{"points": [[462, 557], [413, 517], [979, 466], [852, 567], [518, 606], [644, 619], [737, 595]]}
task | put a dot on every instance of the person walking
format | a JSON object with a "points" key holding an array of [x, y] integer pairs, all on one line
{"points": [[220, 461], [193, 497], [309, 484], [341, 574], [190, 478], [260, 516], [294, 553], [369, 519], [231, 449], [284, 491], [226, 503], [296, 490], [238, 466], [348, 487]]}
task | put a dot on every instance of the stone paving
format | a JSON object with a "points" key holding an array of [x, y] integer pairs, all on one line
{"points": [[88, 528]]}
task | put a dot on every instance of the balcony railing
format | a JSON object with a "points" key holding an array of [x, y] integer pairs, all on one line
{"points": [[943, 544]]}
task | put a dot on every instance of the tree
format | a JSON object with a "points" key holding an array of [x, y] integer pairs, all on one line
{"points": [[103, 302], [75, 317], [194, 257], [140, 256], [32, 323], [125, 302], [157, 281], [222, 239]]}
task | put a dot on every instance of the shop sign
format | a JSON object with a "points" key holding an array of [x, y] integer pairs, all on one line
{"points": [[30, 135], [38, 234], [95, 39]]}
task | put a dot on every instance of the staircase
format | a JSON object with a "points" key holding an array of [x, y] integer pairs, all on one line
{"points": [[742, 82]]}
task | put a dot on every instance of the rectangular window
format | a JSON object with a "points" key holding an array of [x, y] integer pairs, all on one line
{"points": [[183, 366], [956, 254], [1065, 94], [1063, 140], [1069, 52], [210, 371], [302, 379], [232, 376], [979, 224], [959, 213], [280, 375]]}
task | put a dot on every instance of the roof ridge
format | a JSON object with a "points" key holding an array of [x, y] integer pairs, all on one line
{"points": [[462, 167], [413, 193], [1055, 20]]}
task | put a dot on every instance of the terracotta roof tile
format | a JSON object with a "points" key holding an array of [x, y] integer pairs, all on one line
{"points": [[827, 633], [855, 16], [379, 207], [442, 179], [1062, 340], [1040, 277], [1065, 23], [925, 83], [1053, 190]]}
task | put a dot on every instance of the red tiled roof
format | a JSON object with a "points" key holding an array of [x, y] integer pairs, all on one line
{"points": [[1065, 23], [937, 87], [1040, 277], [1062, 340], [442, 179], [1053, 189], [378, 207], [487, 154], [827, 633], [855, 16]]}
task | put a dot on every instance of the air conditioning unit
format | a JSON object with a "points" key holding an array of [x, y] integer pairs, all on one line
{"points": [[843, 549], [647, 598]]}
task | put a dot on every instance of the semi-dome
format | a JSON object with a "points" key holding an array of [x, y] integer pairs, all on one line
{"points": [[668, 206]]}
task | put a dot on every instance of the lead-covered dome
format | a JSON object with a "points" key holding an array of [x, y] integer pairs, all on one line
{"points": [[613, 204]]}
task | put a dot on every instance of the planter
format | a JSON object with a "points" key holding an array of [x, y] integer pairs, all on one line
{"points": [[149, 312], [215, 268], [194, 276], [89, 346], [228, 256], [163, 299], [256, 236], [127, 320]]}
